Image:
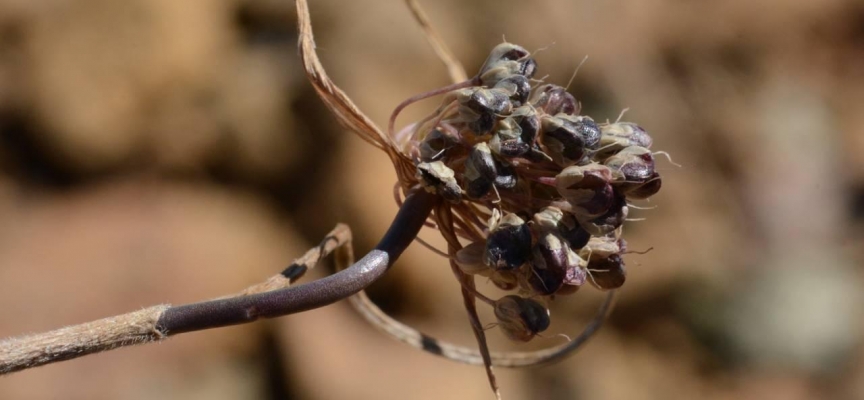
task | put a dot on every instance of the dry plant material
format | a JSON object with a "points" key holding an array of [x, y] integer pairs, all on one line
{"points": [[535, 194]]}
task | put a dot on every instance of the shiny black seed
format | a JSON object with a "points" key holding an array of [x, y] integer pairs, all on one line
{"points": [[481, 160], [506, 178], [530, 126], [483, 124], [546, 281], [577, 237], [478, 187], [528, 67], [508, 247]]}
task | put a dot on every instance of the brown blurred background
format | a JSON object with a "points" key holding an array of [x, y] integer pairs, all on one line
{"points": [[171, 151]]}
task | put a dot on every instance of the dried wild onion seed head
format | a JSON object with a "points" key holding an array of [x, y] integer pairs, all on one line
{"points": [[521, 319], [526, 154]]}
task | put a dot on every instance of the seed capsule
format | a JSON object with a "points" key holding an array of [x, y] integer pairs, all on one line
{"points": [[619, 135], [587, 188], [549, 263], [521, 319], [439, 179], [517, 86], [479, 107], [569, 140], [611, 220], [504, 61], [508, 245], [574, 233], [480, 171], [554, 99], [599, 248], [607, 273], [434, 146], [633, 171], [507, 140]]}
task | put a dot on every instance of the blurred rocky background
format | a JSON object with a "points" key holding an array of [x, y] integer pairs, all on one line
{"points": [[171, 151]]}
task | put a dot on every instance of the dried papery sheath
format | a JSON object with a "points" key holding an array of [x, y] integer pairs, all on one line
{"points": [[509, 244], [619, 135], [437, 178], [600, 247], [504, 280], [553, 99], [607, 273], [521, 319], [470, 259]]}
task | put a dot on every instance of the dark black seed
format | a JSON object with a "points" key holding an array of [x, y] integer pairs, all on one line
{"points": [[483, 124], [577, 237], [508, 247], [512, 148], [589, 131], [506, 178], [480, 159], [546, 281], [607, 273], [528, 67], [572, 144], [478, 187], [485, 101], [530, 126]]}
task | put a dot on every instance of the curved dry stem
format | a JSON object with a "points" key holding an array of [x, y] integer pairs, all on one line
{"points": [[454, 67], [266, 300]]}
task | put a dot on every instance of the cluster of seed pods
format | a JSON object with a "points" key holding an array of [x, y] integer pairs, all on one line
{"points": [[555, 183]]}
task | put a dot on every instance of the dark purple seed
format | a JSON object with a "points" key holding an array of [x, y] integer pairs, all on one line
{"points": [[607, 273], [546, 281], [611, 219], [554, 99]]}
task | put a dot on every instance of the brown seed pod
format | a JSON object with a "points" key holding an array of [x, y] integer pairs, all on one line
{"points": [[439, 179], [508, 245], [521, 319], [569, 139], [553, 100], [607, 273]]}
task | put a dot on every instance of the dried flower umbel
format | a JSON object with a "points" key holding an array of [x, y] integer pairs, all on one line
{"points": [[544, 191], [534, 194]]}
